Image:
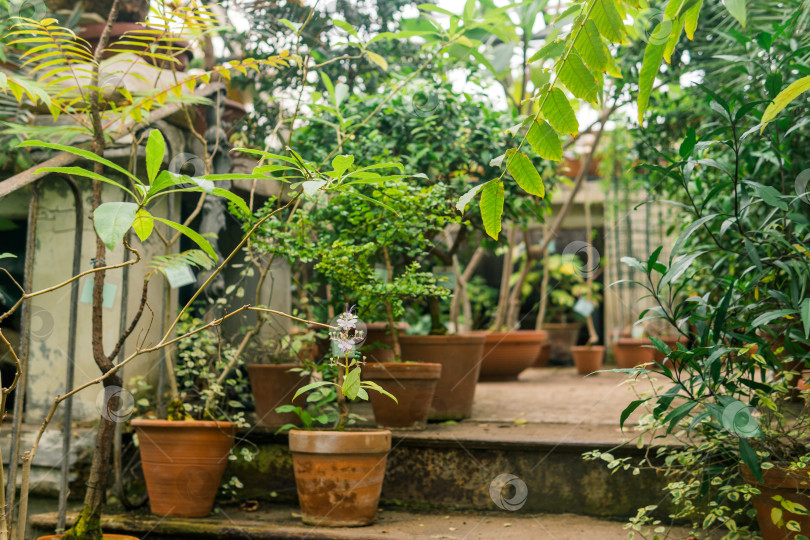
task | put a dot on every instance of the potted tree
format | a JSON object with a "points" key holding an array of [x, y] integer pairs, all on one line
{"points": [[588, 358], [328, 463]]}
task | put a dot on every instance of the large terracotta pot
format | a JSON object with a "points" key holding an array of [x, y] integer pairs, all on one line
{"points": [[561, 337], [413, 384], [791, 486], [631, 352], [460, 357], [508, 354], [588, 359], [183, 464], [544, 357], [272, 387], [379, 344], [339, 475]]}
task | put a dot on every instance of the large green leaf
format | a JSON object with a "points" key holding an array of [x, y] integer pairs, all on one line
{"points": [[196, 237], [607, 20], [653, 55], [691, 19], [86, 154], [590, 46], [806, 317], [524, 173], [155, 152], [559, 113], [112, 220], [491, 206], [750, 458], [737, 10], [784, 98], [78, 171], [351, 384], [545, 141], [576, 76]]}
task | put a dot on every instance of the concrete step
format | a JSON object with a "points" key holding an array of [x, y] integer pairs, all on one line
{"points": [[275, 521]]}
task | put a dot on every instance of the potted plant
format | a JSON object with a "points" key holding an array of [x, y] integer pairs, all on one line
{"points": [[588, 358], [339, 472]]}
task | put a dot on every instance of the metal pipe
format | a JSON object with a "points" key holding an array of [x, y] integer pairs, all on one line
{"points": [[71, 361]]}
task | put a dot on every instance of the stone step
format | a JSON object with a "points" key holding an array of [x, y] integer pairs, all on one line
{"points": [[276, 521]]}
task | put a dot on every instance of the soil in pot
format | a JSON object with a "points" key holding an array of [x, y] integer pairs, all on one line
{"points": [[561, 338], [339, 475], [460, 358], [508, 354], [588, 359], [183, 464], [791, 486], [379, 344], [272, 387], [413, 384], [631, 352]]}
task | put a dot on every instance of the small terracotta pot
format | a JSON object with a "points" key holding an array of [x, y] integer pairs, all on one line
{"points": [[588, 359], [272, 387], [508, 354], [379, 344], [339, 475], [544, 357], [561, 338], [790, 485], [413, 384], [183, 464], [460, 357], [106, 537], [631, 352]]}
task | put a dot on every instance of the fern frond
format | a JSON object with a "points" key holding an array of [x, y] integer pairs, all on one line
{"points": [[193, 257]]}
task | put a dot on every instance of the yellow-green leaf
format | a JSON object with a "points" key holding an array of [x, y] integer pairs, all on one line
{"points": [[653, 55], [691, 19], [673, 41], [522, 170], [377, 59], [545, 141], [590, 46], [784, 98], [491, 206], [737, 10], [576, 76], [607, 20], [559, 112], [143, 224]]}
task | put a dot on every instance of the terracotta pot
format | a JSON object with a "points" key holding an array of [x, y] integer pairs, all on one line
{"points": [[413, 384], [544, 357], [183, 464], [272, 387], [460, 357], [508, 354], [631, 352], [339, 475], [790, 485], [588, 359], [106, 537], [561, 338], [379, 344]]}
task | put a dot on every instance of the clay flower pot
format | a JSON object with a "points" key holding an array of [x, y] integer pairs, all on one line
{"points": [[460, 358], [183, 464], [379, 345], [793, 486], [413, 384], [561, 338], [631, 352], [508, 354], [588, 359], [273, 386], [544, 357], [339, 475]]}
